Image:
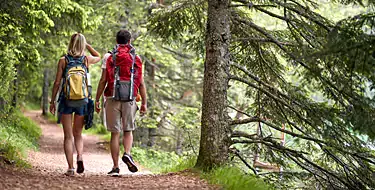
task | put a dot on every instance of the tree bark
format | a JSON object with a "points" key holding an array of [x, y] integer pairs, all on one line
{"points": [[2, 105], [45, 92], [215, 131], [15, 88], [150, 101], [179, 140]]}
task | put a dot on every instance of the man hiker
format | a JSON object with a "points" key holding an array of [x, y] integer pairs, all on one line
{"points": [[122, 79]]}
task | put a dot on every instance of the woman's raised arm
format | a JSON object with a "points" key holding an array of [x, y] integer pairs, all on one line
{"points": [[95, 56]]}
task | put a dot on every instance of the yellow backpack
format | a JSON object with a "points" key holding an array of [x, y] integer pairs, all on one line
{"points": [[75, 86]]}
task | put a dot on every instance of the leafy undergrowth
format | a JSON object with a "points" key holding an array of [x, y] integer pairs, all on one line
{"points": [[159, 161], [156, 161], [17, 135], [234, 178], [51, 118], [33, 106], [226, 176], [100, 130], [30, 105]]}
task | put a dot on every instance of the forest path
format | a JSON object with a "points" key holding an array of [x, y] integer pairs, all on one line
{"points": [[49, 165]]}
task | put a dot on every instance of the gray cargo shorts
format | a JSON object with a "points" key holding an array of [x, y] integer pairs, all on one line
{"points": [[120, 116]]}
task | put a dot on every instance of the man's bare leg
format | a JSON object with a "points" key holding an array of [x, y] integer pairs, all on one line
{"points": [[127, 141], [115, 148]]}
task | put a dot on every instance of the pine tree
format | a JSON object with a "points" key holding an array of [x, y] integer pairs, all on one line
{"points": [[310, 75], [215, 141]]}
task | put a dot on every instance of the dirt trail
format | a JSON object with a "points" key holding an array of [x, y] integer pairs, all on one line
{"points": [[49, 164]]}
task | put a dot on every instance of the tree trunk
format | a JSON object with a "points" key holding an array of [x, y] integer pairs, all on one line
{"points": [[45, 92], [15, 88], [147, 136], [140, 136], [215, 131], [179, 140], [150, 101], [2, 104]]}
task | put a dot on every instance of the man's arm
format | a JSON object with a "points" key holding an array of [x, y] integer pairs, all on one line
{"points": [[99, 91], [142, 91]]}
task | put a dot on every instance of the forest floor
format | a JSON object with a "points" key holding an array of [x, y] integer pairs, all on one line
{"points": [[49, 164]]}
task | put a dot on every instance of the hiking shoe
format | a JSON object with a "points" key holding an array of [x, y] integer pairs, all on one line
{"points": [[80, 167], [128, 160], [115, 172], [70, 172]]}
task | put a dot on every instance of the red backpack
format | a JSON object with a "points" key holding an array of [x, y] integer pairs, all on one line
{"points": [[120, 68]]}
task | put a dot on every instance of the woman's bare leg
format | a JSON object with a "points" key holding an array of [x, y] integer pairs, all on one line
{"points": [[77, 133], [66, 120]]}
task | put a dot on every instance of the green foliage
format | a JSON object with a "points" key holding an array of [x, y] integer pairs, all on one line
{"points": [[17, 135], [51, 118], [294, 64], [98, 129], [32, 106], [156, 161], [185, 162], [184, 21], [159, 161], [233, 178], [34, 42]]}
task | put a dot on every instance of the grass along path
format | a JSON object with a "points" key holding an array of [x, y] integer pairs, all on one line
{"points": [[49, 164]]}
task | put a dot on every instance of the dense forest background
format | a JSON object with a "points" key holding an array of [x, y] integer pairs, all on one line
{"points": [[282, 90]]}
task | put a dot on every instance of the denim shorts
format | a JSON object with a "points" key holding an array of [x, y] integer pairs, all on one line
{"points": [[70, 110]]}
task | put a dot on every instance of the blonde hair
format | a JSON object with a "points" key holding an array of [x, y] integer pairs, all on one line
{"points": [[77, 45]]}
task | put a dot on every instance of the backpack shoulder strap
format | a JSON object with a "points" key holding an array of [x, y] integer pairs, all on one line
{"points": [[132, 71], [82, 59], [133, 55], [86, 61], [68, 58], [114, 54], [117, 69]]}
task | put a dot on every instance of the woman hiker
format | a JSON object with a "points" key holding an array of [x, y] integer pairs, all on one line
{"points": [[72, 72]]}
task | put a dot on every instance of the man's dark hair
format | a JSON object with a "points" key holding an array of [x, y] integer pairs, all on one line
{"points": [[123, 37]]}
